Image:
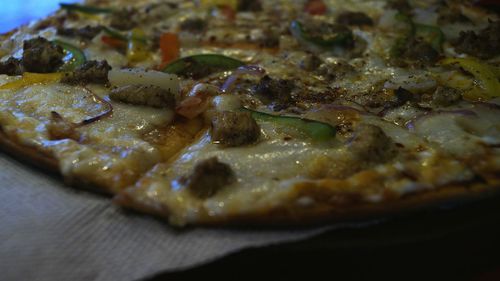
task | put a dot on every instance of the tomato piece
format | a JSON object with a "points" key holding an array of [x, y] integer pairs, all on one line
{"points": [[113, 42], [170, 48], [315, 7], [228, 12]]}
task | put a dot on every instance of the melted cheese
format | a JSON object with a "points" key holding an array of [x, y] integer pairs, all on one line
{"points": [[113, 144], [264, 173]]}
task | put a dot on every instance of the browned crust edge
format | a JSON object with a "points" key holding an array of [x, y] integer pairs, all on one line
{"points": [[44, 161], [283, 216], [28, 154]]}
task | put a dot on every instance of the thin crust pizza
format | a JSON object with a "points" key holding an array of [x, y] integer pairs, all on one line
{"points": [[236, 111]]}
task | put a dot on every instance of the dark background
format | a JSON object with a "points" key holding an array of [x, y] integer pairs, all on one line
{"points": [[461, 243], [457, 244]]}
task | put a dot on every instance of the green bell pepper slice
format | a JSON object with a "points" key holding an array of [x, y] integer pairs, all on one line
{"points": [[198, 66], [300, 33], [316, 130], [118, 35], [74, 56]]}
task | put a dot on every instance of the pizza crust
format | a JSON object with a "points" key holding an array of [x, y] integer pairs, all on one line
{"points": [[28, 154], [448, 196], [45, 162]]}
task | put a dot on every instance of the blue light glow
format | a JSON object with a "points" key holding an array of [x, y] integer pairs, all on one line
{"points": [[18, 12]]}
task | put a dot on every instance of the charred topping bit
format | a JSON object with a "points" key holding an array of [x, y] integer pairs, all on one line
{"points": [[208, 177], [370, 143], [310, 62], [123, 19], [430, 34], [354, 18], [277, 93], [418, 52], [147, 95], [11, 66], [89, 72], [484, 45], [335, 70], [403, 96], [194, 25], [41, 55], [358, 49], [271, 39], [249, 6], [420, 45], [400, 5], [88, 32], [322, 34], [446, 96], [234, 128]]}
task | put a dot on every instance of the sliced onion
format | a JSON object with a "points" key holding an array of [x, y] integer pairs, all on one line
{"points": [[203, 90], [492, 104], [462, 112], [104, 114], [246, 69], [135, 76], [87, 121], [462, 133], [415, 82]]}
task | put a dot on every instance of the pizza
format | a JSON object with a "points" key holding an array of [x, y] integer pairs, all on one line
{"points": [[263, 112]]}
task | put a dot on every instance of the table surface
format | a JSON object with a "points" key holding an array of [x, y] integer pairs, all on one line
{"points": [[460, 243]]}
